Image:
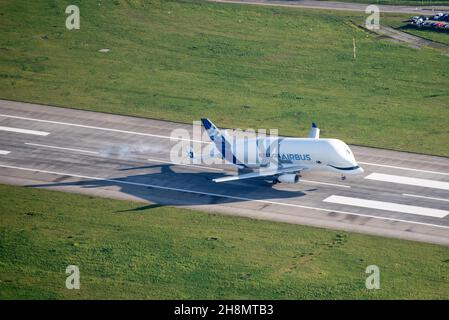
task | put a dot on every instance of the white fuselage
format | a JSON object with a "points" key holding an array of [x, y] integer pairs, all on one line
{"points": [[313, 154]]}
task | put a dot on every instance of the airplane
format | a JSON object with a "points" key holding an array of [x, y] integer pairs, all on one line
{"points": [[282, 159]]}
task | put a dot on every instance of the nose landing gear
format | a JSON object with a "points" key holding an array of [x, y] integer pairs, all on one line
{"points": [[343, 177]]}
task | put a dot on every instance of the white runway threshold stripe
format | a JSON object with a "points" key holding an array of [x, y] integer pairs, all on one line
{"points": [[291, 205], [26, 131], [4, 152], [410, 181], [387, 206]]}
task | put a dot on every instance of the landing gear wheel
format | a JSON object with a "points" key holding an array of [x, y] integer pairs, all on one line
{"points": [[343, 177]]}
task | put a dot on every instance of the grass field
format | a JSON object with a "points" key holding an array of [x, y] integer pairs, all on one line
{"points": [[242, 66], [163, 252]]}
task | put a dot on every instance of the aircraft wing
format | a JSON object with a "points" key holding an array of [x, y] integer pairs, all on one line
{"points": [[261, 173]]}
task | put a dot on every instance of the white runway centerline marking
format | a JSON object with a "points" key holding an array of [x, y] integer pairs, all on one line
{"points": [[222, 196], [424, 197], [410, 181], [403, 168], [4, 152], [18, 130], [59, 148], [388, 206]]}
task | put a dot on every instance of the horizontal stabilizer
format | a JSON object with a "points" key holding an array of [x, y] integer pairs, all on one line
{"points": [[239, 177], [260, 173]]}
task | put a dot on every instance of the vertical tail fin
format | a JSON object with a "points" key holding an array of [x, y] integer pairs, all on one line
{"points": [[222, 145], [213, 132]]}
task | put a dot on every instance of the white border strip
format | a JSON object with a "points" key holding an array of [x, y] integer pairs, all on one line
{"points": [[26, 131], [222, 196]]}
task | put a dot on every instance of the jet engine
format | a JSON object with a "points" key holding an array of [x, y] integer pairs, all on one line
{"points": [[288, 178]]}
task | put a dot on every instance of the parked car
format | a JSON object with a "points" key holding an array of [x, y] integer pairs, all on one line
{"points": [[438, 16], [437, 21]]}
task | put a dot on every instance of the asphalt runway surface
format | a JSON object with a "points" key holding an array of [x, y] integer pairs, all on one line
{"points": [[400, 194], [342, 6]]}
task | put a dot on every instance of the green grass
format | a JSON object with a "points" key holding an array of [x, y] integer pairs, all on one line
{"points": [[242, 66], [163, 252]]}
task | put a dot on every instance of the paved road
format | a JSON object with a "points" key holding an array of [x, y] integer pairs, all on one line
{"points": [[128, 158], [344, 6], [412, 40]]}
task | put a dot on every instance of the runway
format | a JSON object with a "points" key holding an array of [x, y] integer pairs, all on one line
{"points": [[401, 194]]}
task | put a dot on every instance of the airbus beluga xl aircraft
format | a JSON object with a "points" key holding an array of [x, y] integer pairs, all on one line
{"points": [[282, 159]]}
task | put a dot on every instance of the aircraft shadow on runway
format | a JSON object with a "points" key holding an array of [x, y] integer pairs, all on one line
{"points": [[203, 191]]}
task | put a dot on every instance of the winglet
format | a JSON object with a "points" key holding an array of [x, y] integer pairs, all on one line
{"points": [[314, 131]]}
